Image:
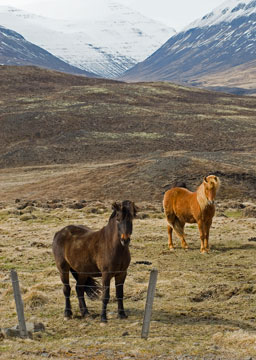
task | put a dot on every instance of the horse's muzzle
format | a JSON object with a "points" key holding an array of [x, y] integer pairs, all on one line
{"points": [[125, 240]]}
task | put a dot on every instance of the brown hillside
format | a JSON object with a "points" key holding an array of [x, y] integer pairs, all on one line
{"points": [[119, 140], [242, 76]]}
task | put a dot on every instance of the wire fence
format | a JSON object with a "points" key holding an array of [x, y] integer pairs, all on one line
{"points": [[148, 305], [141, 277], [151, 325]]}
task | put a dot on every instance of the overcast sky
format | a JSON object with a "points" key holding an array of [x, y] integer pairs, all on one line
{"points": [[175, 13]]}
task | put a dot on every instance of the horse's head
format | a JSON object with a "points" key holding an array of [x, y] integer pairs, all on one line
{"points": [[125, 213], [211, 186]]}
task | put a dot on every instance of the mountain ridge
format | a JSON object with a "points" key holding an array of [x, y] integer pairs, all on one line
{"points": [[202, 49], [16, 50], [106, 47]]}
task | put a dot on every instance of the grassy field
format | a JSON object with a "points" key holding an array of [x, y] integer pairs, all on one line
{"points": [[204, 305], [69, 147]]}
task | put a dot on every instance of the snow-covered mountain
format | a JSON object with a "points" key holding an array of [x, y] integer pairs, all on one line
{"points": [[100, 36], [228, 11], [222, 39], [15, 50]]}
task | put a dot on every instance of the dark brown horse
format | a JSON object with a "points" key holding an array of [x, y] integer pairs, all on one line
{"points": [[88, 254], [183, 206]]}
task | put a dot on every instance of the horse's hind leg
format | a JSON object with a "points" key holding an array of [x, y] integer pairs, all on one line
{"points": [[80, 289], [64, 275], [170, 220], [170, 242], [119, 282], [179, 229]]}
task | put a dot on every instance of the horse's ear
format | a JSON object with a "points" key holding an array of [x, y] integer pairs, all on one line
{"points": [[205, 179], [116, 206]]}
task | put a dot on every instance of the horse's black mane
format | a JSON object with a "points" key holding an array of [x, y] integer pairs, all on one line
{"points": [[112, 215]]}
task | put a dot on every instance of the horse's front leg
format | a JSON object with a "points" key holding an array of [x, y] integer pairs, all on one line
{"points": [[206, 238], [119, 282], [201, 228], [105, 295]]}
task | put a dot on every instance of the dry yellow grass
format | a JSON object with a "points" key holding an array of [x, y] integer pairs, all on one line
{"points": [[204, 305]]}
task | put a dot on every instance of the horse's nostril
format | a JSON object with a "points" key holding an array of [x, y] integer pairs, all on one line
{"points": [[125, 236], [125, 239]]}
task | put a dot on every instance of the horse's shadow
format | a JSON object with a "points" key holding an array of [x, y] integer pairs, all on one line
{"points": [[166, 318], [213, 249], [223, 249]]}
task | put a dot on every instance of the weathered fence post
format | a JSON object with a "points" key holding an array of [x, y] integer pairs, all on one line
{"points": [[149, 303], [19, 304]]}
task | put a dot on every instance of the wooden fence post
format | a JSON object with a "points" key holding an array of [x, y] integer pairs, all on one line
{"points": [[19, 304], [149, 303]]}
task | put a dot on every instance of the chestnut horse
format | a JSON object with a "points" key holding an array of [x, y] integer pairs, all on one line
{"points": [[183, 206], [88, 254]]}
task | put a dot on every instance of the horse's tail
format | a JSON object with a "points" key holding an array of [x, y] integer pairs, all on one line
{"points": [[178, 228], [92, 288], [175, 224]]}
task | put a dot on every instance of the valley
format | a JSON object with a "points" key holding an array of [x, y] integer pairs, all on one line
{"points": [[69, 147], [144, 135]]}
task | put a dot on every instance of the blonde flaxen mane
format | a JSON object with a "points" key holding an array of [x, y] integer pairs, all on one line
{"points": [[214, 181]]}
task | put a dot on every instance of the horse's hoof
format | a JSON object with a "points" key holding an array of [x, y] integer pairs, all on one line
{"points": [[68, 315], [172, 249], [103, 320], [122, 316], [203, 251], [85, 315]]}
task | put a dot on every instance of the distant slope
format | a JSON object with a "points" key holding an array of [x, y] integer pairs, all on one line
{"points": [[239, 79], [119, 139], [222, 39], [15, 50], [111, 41], [71, 118]]}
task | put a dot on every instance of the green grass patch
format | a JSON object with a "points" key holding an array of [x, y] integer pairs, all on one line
{"points": [[4, 214], [236, 214], [114, 136], [4, 348], [144, 135]]}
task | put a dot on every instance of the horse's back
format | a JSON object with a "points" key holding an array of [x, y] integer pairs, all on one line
{"points": [[71, 230], [67, 235], [71, 247], [78, 229], [182, 204], [176, 195]]}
